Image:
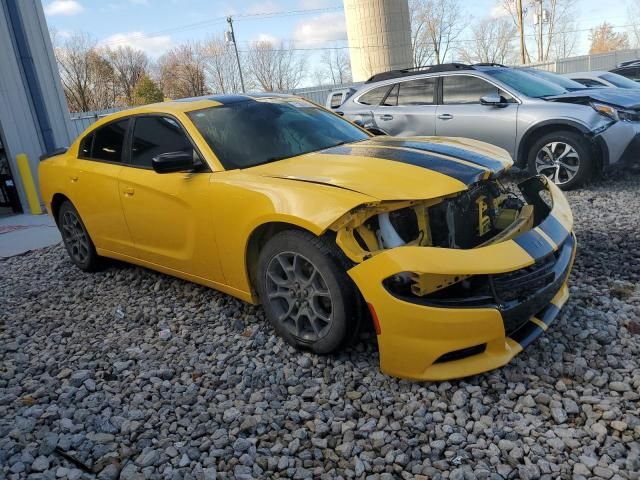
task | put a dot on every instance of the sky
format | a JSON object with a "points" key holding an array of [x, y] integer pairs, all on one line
{"points": [[156, 25]]}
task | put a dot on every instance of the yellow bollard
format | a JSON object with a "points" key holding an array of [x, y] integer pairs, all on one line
{"points": [[28, 184]]}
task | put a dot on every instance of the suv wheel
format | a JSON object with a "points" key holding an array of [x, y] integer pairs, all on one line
{"points": [[566, 158]]}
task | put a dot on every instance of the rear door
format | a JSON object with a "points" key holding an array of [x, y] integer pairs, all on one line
{"points": [[169, 215], [460, 113], [409, 109], [93, 187]]}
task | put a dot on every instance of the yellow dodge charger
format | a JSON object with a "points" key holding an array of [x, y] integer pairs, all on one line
{"points": [[276, 201]]}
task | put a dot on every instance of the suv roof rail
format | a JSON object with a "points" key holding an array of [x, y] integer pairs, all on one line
{"points": [[405, 72], [489, 64]]}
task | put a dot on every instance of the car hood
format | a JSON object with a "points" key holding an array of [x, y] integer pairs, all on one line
{"points": [[391, 168], [624, 98]]}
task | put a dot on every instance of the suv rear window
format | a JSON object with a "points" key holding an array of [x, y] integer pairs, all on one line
{"points": [[417, 92], [375, 96]]}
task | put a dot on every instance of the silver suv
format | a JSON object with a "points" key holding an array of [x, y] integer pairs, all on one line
{"points": [[566, 135]]}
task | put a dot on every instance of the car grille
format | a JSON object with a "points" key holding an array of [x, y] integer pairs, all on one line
{"points": [[521, 284]]}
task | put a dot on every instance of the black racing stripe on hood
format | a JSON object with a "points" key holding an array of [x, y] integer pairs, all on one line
{"points": [[464, 173], [451, 151]]}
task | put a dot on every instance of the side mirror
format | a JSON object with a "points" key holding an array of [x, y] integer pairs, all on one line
{"points": [[376, 131], [371, 129], [173, 162], [493, 100]]}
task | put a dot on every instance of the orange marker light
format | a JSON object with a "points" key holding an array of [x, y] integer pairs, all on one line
{"points": [[374, 317]]}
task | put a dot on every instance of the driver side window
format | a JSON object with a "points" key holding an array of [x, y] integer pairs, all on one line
{"points": [[155, 135]]}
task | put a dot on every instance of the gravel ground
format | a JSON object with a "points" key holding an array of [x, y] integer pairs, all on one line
{"points": [[134, 374]]}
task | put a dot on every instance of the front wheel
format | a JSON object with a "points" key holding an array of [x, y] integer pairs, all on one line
{"points": [[305, 291], [566, 158]]}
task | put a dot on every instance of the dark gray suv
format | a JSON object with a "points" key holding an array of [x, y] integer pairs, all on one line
{"points": [[566, 135]]}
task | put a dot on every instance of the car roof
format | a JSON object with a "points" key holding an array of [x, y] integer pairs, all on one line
{"points": [[197, 103], [592, 73], [183, 105]]}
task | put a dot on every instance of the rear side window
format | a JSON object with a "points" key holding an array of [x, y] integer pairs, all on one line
{"points": [[466, 89], [105, 143], [417, 92], [375, 96], [155, 135], [336, 100]]}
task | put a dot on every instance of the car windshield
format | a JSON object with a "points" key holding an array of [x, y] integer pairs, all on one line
{"points": [[619, 80], [252, 132], [525, 83], [557, 79]]}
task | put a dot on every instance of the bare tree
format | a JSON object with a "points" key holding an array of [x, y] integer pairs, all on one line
{"points": [[565, 39], [87, 78], [420, 44], [512, 8], [436, 24], [275, 68], [558, 36], [492, 42], [633, 13], [181, 72], [221, 66], [336, 66], [130, 66], [604, 39]]}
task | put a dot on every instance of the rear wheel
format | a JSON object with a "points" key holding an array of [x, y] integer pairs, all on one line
{"points": [[305, 291], [76, 239], [566, 158]]}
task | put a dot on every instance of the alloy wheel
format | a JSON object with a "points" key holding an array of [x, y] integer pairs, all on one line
{"points": [[299, 296], [75, 237], [559, 161]]}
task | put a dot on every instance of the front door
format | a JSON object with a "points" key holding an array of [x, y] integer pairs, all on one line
{"points": [[409, 109], [169, 215], [462, 115]]}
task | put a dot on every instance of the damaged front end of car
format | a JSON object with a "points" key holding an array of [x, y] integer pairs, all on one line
{"points": [[460, 284]]}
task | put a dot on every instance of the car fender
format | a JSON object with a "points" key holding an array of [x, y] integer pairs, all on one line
{"points": [[243, 203], [583, 127]]}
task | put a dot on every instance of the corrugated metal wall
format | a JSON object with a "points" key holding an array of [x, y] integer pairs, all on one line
{"points": [[19, 118]]}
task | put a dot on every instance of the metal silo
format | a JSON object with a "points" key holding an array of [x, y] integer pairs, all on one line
{"points": [[379, 35]]}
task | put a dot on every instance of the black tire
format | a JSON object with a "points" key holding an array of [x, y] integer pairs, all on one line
{"points": [[587, 163], [308, 251], [77, 241]]}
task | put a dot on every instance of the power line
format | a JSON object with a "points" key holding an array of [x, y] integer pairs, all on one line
{"points": [[216, 20]]}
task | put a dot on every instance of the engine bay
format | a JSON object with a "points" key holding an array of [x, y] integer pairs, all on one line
{"points": [[487, 212]]}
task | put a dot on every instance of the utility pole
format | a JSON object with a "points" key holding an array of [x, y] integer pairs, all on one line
{"points": [[540, 26], [521, 30], [230, 37]]}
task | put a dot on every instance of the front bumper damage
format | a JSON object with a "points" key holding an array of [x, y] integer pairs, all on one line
{"points": [[426, 340], [620, 143]]}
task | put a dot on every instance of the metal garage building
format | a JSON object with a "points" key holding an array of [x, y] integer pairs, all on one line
{"points": [[34, 118]]}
